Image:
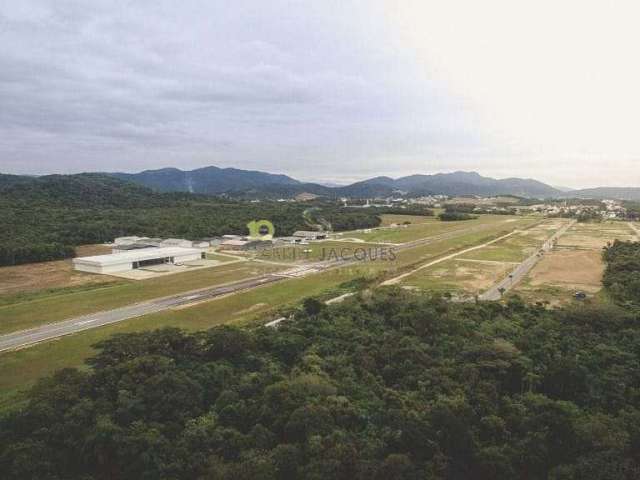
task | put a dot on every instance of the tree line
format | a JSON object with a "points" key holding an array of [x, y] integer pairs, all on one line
{"points": [[622, 273]]}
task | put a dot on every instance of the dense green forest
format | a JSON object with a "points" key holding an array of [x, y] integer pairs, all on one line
{"points": [[454, 216], [388, 385], [45, 217], [622, 275]]}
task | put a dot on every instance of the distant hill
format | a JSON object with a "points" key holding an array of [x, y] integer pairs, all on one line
{"points": [[208, 180], [254, 184], [82, 190], [457, 183], [614, 193]]}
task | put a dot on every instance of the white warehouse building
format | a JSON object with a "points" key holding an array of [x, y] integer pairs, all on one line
{"points": [[133, 259]]}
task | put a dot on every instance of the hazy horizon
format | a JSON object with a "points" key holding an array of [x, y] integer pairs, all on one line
{"points": [[323, 91]]}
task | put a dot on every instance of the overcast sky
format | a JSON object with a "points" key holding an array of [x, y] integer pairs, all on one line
{"points": [[323, 90]]}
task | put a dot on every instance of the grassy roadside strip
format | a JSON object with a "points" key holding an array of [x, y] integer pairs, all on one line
{"points": [[49, 309]]}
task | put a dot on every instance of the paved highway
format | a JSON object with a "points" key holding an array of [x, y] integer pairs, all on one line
{"points": [[50, 331], [499, 289]]}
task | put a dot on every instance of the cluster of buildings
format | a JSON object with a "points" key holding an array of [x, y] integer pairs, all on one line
{"points": [[243, 243], [434, 201], [124, 244], [132, 253], [607, 209]]}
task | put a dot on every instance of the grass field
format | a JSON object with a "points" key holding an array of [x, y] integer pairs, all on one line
{"points": [[220, 258], [519, 246], [411, 259], [574, 265], [55, 306], [473, 272], [596, 235], [428, 228], [458, 276], [389, 219]]}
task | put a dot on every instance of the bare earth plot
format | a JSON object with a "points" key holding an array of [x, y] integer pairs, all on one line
{"points": [[58, 274], [574, 265]]}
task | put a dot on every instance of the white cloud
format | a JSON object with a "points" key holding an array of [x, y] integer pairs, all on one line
{"points": [[555, 80]]}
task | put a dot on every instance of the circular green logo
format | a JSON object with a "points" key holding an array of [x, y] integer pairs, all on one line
{"points": [[261, 229]]}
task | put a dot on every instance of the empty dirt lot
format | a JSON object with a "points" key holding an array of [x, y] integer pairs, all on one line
{"points": [[574, 265], [45, 275], [570, 269]]}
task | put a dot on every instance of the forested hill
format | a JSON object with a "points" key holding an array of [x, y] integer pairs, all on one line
{"points": [[252, 184], [44, 218], [83, 190], [208, 180]]}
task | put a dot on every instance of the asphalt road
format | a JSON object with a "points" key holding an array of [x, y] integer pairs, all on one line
{"points": [[50, 331], [499, 289], [66, 327]]}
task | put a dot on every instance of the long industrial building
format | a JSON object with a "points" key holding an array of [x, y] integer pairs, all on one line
{"points": [[134, 259]]}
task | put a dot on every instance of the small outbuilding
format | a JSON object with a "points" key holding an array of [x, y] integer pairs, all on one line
{"points": [[233, 244], [310, 235]]}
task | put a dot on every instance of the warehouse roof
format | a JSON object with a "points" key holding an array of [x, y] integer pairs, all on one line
{"points": [[308, 233], [235, 242], [137, 255]]}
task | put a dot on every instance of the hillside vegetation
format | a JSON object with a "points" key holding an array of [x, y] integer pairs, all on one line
{"points": [[44, 218], [622, 275]]}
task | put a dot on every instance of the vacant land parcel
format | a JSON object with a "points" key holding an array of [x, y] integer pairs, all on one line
{"points": [[459, 276], [473, 272], [429, 228], [59, 274], [575, 265]]}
